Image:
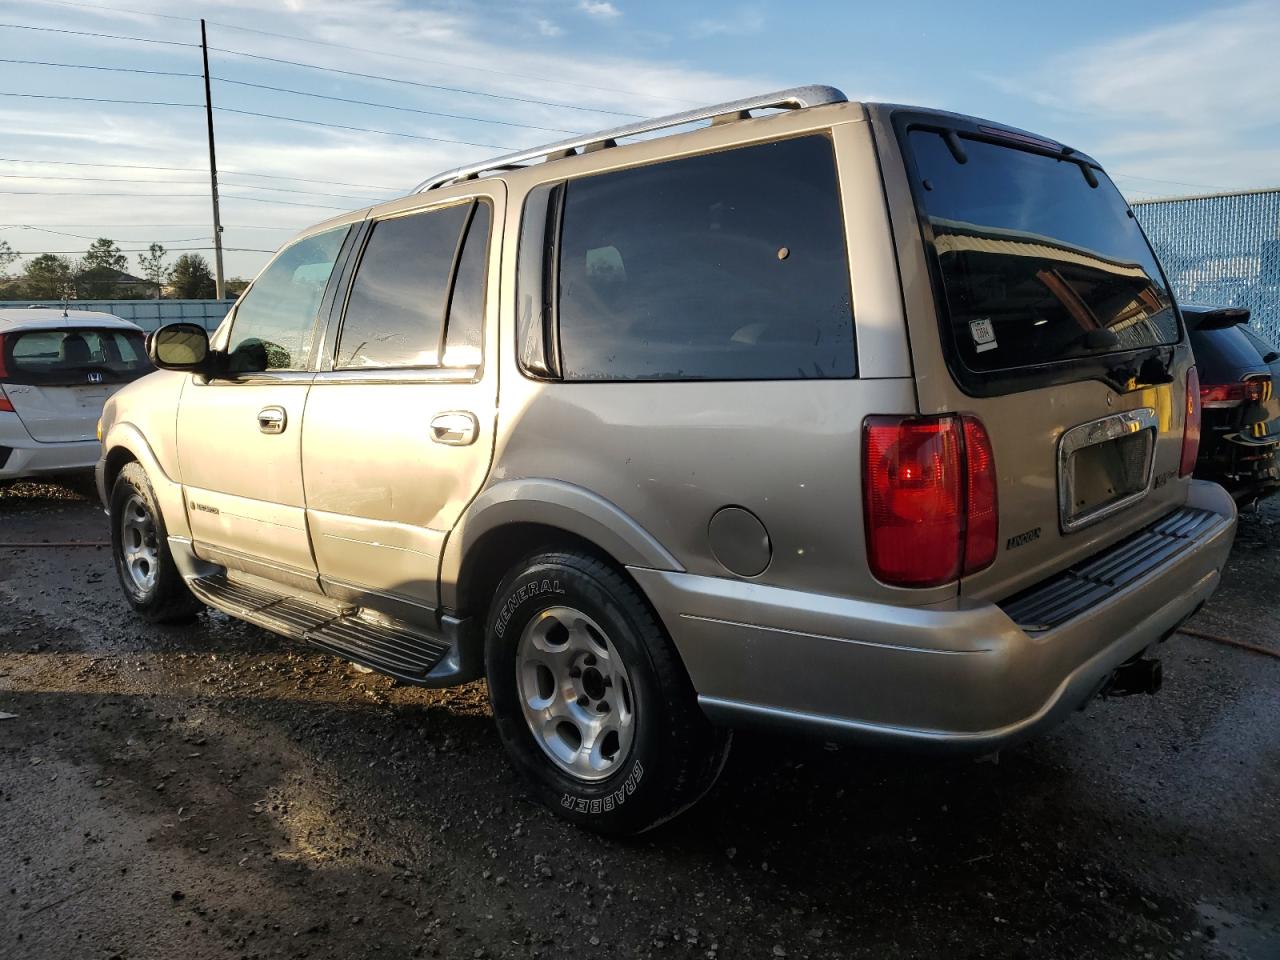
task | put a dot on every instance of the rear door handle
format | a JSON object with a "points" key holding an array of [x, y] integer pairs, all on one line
{"points": [[272, 420], [457, 428]]}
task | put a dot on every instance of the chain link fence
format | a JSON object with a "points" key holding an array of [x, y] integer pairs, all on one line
{"points": [[1221, 249]]}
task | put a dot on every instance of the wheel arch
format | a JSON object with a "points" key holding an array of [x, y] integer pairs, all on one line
{"points": [[125, 444], [515, 518]]}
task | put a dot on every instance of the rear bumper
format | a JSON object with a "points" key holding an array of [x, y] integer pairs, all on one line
{"points": [[966, 677], [30, 458]]}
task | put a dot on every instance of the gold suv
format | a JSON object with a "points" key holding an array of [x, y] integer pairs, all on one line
{"points": [[868, 421]]}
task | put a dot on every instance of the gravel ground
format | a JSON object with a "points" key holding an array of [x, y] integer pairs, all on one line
{"points": [[215, 791]]}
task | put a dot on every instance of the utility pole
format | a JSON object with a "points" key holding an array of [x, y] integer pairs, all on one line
{"points": [[213, 168]]}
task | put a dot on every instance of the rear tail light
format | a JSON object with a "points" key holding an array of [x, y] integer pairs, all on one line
{"points": [[1252, 390], [982, 522], [929, 497], [1191, 425], [6, 405]]}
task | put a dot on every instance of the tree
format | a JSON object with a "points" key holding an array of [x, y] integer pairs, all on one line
{"points": [[47, 277], [235, 286], [98, 271], [104, 253], [153, 266], [192, 279], [7, 256]]}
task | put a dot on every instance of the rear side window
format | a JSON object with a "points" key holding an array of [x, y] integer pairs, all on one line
{"points": [[73, 357], [725, 266], [413, 267]]}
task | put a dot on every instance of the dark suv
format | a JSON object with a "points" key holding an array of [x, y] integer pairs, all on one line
{"points": [[1240, 424]]}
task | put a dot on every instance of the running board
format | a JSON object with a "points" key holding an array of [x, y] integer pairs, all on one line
{"points": [[388, 646]]}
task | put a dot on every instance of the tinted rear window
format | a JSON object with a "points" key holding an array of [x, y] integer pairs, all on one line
{"points": [[1036, 265], [1225, 355], [726, 266], [75, 356]]}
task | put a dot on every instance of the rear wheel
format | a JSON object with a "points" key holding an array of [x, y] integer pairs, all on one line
{"points": [[591, 700], [140, 547]]}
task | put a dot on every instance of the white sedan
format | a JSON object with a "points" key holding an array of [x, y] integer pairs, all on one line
{"points": [[56, 371]]}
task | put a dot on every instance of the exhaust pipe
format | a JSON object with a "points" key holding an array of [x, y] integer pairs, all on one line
{"points": [[1139, 675]]}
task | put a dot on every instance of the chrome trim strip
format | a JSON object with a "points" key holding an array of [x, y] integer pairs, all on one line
{"points": [[1090, 434], [256, 378], [399, 375], [793, 98]]}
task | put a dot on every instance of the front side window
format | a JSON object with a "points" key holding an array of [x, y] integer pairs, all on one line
{"points": [[275, 320], [724, 266], [414, 280]]}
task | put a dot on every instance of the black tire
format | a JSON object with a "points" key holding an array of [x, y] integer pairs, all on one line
{"points": [[166, 598], [675, 753]]}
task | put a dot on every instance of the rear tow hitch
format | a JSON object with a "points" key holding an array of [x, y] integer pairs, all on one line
{"points": [[1139, 675]]}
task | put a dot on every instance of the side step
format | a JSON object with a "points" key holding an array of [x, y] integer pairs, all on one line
{"points": [[390, 647]]}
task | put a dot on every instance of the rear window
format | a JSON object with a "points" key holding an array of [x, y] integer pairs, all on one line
{"points": [[74, 357], [1036, 265], [725, 266]]}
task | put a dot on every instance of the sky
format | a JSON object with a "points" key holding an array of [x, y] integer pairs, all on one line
{"points": [[1173, 98]]}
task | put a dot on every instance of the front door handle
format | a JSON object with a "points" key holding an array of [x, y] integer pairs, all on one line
{"points": [[457, 428], [272, 420]]}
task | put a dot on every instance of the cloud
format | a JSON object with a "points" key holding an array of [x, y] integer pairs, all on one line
{"points": [[1189, 102], [454, 49], [600, 9], [740, 23], [548, 28]]}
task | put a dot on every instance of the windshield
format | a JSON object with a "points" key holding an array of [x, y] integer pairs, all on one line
{"points": [[73, 357], [1037, 266]]}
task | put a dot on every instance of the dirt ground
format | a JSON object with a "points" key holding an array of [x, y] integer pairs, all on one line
{"points": [[215, 791]]}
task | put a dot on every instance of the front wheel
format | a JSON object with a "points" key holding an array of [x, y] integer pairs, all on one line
{"points": [[591, 700], [140, 548]]}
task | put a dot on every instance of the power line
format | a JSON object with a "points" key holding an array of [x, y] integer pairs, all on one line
{"points": [[254, 113], [238, 173], [316, 66], [243, 186], [171, 196], [103, 36], [91, 66], [451, 64], [418, 83], [343, 126], [56, 193], [288, 90], [136, 103], [162, 226], [109, 10], [291, 203], [85, 236], [380, 53], [392, 106], [141, 250], [310, 193], [1176, 183]]}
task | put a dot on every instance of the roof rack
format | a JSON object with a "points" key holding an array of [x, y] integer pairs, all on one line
{"points": [[795, 98]]}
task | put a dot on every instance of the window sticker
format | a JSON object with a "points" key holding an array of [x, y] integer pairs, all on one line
{"points": [[984, 335]]}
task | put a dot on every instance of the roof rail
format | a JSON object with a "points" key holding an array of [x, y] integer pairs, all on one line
{"points": [[795, 98]]}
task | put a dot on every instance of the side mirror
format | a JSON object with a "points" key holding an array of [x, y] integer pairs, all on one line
{"points": [[179, 346]]}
